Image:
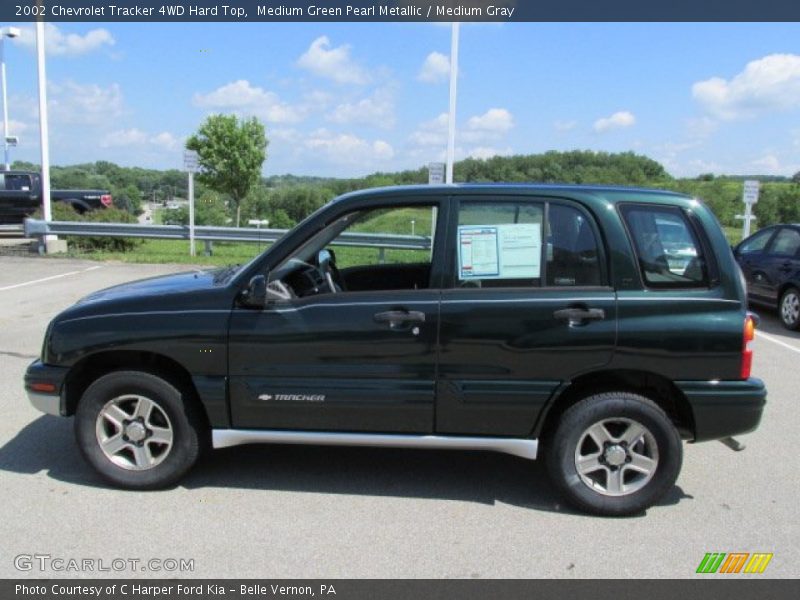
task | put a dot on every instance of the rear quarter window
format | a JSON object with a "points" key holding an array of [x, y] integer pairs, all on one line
{"points": [[667, 247]]}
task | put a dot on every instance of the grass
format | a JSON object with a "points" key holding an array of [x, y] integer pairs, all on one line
{"points": [[734, 234], [177, 251]]}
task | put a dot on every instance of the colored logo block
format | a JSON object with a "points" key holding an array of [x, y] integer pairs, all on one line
{"points": [[734, 562]]}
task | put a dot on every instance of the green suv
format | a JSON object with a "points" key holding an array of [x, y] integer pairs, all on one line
{"points": [[595, 326]]}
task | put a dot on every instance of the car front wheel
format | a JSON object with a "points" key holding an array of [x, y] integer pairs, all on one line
{"points": [[138, 430], [614, 454]]}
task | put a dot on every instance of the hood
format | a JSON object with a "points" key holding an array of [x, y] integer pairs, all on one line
{"points": [[153, 286], [155, 293]]}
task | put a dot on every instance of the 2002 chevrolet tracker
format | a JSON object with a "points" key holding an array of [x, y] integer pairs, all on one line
{"points": [[599, 326]]}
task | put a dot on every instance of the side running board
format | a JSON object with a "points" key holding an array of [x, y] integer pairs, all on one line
{"points": [[224, 438]]}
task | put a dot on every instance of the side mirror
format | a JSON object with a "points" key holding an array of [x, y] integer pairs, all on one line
{"points": [[255, 294]]}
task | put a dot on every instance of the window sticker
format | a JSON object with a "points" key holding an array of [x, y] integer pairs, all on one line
{"points": [[478, 252], [500, 251]]}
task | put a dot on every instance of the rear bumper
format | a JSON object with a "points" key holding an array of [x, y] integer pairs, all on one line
{"points": [[724, 408], [50, 403]]}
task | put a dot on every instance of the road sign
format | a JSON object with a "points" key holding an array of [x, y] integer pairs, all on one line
{"points": [[190, 161], [750, 195], [435, 173]]}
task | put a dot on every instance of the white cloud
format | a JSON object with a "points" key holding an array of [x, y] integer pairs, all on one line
{"points": [[489, 127], [431, 133], [484, 152], [767, 84], [701, 127], [86, 104], [493, 121], [14, 127], [165, 140], [564, 126], [124, 137], [771, 164], [435, 69], [58, 43], [618, 120], [347, 148], [136, 137], [332, 63], [376, 109], [243, 97]]}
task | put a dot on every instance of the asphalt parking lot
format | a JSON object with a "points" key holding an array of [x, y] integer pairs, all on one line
{"points": [[296, 512]]}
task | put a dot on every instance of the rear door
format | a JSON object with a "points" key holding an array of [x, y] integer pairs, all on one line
{"points": [[781, 262], [753, 257], [527, 308]]}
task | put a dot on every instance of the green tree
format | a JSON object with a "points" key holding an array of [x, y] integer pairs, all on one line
{"points": [[796, 177], [230, 154]]}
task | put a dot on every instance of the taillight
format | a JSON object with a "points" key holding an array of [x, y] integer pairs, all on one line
{"points": [[747, 352], [106, 200], [47, 388]]}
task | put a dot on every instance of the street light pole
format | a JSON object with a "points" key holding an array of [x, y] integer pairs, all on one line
{"points": [[451, 121], [5, 32]]}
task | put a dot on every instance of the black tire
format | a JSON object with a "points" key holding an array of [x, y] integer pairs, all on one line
{"points": [[594, 492], [789, 308], [173, 411]]}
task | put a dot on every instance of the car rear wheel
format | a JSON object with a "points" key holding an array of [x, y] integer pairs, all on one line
{"points": [[614, 454], [137, 430], [789, 309]]}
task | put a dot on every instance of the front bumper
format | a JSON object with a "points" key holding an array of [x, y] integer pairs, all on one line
{"points": [[724, 408], [39, 374]]}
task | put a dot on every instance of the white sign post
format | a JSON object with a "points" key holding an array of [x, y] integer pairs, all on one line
{"points": [[435, 173], [749, 197], [190, 166]]}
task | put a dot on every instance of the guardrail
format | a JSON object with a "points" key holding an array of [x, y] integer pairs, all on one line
{"points": [[39, 229]]}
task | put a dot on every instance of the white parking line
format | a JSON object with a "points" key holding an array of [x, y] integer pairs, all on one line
{"points": [[766, 336], [19, 285]]}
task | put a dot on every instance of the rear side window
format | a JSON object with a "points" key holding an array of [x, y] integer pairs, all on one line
{"points": [[526, 244], [668, 250]]}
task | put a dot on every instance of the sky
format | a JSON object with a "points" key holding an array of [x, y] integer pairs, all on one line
{"points": [[348, 99]]}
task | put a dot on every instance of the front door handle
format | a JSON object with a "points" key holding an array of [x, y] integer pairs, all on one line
{"points": [[579, 315], [398, 318]]}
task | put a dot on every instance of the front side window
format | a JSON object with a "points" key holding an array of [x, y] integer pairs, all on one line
{"points": [[525, 244], [757, 243], [365, 250], [18, 183], [668, 251]]}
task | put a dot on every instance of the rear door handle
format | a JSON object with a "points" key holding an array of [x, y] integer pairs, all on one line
{"points": [[396, 318], [578, 315]]}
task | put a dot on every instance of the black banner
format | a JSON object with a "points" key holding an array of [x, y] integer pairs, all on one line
{"points": [[712, 588], [398, 10]]}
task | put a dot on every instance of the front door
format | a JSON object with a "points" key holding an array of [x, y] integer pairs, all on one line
{"points": [[528, 309], [354, 349]]}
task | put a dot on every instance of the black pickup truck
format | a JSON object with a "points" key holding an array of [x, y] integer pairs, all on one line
{"points": [[560, 321], [21, 195]]}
